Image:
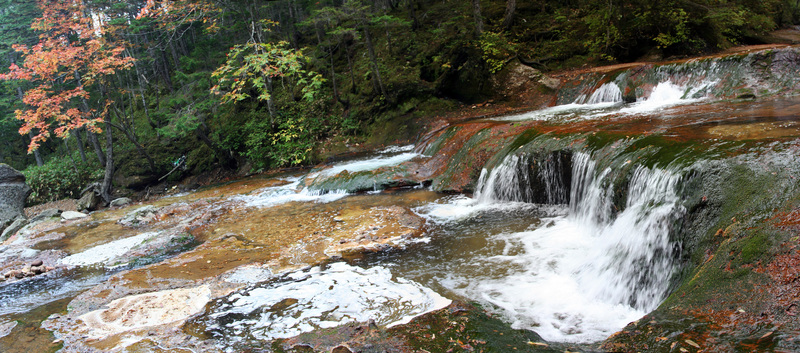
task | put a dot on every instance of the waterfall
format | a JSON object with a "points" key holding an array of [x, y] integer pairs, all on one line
{"points": [[551, 173], [503, 183], [635, 257], [634, 261], [580, 276], [607, 93], [526, 178]]}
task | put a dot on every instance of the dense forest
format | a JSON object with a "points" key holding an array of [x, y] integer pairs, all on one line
{"points": [[125, 91]]}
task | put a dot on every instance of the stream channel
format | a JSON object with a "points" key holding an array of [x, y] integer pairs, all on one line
{"points": [[571, 221]]}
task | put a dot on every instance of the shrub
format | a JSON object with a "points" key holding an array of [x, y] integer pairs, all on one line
{"points": [[59, 178]]}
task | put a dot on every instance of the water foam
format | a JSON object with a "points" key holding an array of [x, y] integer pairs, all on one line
{"points": [[664, 95], [370, 164], [396, 149], [321, 298], [291, 192], [607, 101]]}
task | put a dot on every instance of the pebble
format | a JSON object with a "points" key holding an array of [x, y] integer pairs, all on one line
{"points": [[29, 270]]}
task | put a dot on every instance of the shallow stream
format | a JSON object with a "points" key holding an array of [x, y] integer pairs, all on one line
{"points": [[567, 233]]}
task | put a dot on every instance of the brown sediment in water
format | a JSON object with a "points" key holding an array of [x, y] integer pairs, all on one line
{"points": [[287, 236]]}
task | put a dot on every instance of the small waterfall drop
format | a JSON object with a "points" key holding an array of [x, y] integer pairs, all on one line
{"points": [[634, 260], [503, 183], [607, 93], [584, 274], [552, 173], [525, 178]]}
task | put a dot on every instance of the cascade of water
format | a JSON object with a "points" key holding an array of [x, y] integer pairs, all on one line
{"points": [[607, 93], [504, 181], [635, 257], [514, 180], [551, 173], [582, 276]]}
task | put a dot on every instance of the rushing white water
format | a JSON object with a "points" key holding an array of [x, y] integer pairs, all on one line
{"points": [[667, 94], [581, 276], [564, 111], [370, 164], [600, 102], [504, 182], [513, 181], [607, 93], [607, 101], [321, 298], [291, 192], [397, 149]]}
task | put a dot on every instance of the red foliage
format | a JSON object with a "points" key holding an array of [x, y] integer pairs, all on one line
{"points": [[72, 46]]}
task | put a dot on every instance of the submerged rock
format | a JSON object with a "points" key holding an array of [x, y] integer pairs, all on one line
{"points": [[460, 327], [140, 216], [34, 268], [141, 311]]}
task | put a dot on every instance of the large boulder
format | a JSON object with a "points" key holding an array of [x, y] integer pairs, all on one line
{"points": [[90, 198], [13, 193]]}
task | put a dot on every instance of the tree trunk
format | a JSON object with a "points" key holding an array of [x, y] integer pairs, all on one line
{"points": [[508, 19], [81, 150], [139, 148], [105, 189], [74, 165], [36, 154], [352, 74], [270, 102], [97, 149], [374, 60], [476, 12], [412, 12], [165, 70]]}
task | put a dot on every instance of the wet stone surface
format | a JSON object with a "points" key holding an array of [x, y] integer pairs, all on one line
{"points": [[132, 306]]}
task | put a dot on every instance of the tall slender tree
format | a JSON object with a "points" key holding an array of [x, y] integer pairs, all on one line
{"points": [[72, 53]]}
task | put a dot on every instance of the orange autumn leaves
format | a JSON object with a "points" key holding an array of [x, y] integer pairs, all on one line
{"points": [[72, 53]]}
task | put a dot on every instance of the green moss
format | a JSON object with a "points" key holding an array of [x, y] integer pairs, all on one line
{"points": [[467, 328], [467, 162], [437, 144], [755, 247]]}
